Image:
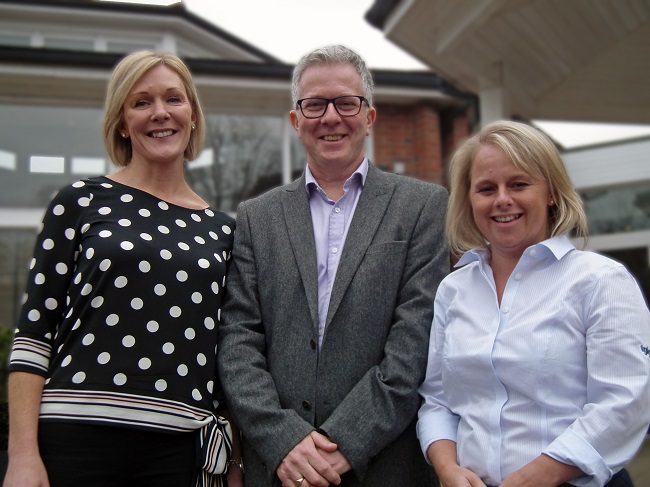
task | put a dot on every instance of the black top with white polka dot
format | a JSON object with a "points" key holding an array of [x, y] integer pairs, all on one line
{"points": [[123, 299]]}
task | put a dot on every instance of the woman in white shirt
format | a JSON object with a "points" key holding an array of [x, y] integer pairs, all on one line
{"points": [[539, 365]]}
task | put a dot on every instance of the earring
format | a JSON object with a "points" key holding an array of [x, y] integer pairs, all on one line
{"points": [[193, 126], [123, 134]]}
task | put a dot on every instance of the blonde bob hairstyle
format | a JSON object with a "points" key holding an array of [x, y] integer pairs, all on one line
{"points": [[125, 75], [529, 150]]}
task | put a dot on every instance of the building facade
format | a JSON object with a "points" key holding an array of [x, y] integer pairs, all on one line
{"points": [[55, 60]]}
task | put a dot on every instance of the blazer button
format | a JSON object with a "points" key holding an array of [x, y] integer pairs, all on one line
{"points": [[306, 405], [312, 344]]}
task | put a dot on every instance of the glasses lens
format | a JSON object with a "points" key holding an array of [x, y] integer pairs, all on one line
{"points": [[313, 107], [348, 105]]}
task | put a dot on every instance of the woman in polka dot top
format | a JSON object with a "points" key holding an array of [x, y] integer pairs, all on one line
{"points": [[113, 366]]}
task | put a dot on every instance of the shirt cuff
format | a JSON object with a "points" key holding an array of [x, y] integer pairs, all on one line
{"points": [[572, 449], [433, 427]]}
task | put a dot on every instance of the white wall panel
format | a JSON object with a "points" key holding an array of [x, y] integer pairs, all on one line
{"points": [[617, 164]]}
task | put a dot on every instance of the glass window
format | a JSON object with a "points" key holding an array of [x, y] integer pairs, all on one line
{"points": [[129, 46], [298, 157], [70, 44], [45, 148], [19, 40], [242, 159], [7, 160], [618, 209], [38, 147], [88, 165], [46, 164]]}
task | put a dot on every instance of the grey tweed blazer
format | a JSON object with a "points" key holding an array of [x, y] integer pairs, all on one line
{"points": [[361, 388]]}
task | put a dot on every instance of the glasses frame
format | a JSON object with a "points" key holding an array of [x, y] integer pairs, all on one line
{"points": [[362, 99]]}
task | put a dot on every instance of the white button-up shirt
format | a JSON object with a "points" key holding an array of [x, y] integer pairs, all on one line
{"points": [[562, 367]]}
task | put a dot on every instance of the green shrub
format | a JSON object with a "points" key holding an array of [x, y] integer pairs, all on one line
{"points": [[6, 339]]}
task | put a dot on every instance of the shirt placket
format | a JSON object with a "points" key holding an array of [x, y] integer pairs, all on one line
{"points": [[335, 229], [505, 310]]}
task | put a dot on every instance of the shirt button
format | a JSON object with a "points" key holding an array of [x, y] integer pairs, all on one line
{"points": [[337, 210], [335, 250], [306, 405], [312, 344], [517, 276], [505, 310]]}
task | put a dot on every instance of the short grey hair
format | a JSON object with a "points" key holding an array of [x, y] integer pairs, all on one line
{"points": [[334, 54]]}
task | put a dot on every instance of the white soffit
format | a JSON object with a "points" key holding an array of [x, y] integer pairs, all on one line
{"points": [[565, 60]]}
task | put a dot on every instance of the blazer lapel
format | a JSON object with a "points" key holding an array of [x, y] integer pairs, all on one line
{"points": [[370, 210], [295, 203]]}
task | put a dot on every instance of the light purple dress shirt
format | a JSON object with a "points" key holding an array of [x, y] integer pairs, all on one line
{"points": [[331, 221]]}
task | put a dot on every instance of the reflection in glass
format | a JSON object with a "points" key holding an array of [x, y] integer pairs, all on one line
{"points": [[242, 159], [65, 133], [618, 209], [7, 160], [47, 164], [88, 165], [21, 40], [75, 44], [205, 159]]}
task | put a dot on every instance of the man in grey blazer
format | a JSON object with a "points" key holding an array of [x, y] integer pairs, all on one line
{"points": [[325, 329]]}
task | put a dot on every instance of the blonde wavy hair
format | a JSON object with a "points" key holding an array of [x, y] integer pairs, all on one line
{"points": [[529, 150]]}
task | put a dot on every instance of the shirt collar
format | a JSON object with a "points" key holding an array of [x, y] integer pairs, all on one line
{"points": [[558, 246], [362, 171]]}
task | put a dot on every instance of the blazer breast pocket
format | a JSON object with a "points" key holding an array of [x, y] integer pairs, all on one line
{"points": [[385, 248]]}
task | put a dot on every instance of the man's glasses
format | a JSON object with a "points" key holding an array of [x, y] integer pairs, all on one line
{"points": [[346, 106]]}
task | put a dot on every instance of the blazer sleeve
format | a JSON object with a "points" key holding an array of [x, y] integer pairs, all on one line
{"points": [[250, 391], [385, 401]]}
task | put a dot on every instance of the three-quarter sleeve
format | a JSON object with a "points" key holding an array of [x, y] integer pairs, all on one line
{"points": [[614, 420], [51, 270], [435, 420]]}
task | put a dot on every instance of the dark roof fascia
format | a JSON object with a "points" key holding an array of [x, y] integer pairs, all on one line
{"points": [[37, 56], [379, 12], [174, 10], [103, 60], [425, 80]]}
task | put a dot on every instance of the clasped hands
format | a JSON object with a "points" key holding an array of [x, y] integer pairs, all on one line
{"points": [[314, 462]]}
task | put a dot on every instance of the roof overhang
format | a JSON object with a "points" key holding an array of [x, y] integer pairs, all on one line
{"points": [[199, 37], [575, 60]]}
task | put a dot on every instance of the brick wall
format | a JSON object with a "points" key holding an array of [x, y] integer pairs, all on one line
{"points": [[417, 140]]}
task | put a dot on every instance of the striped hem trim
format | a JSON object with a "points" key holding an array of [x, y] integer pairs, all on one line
{"points": [[121, 408]]}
